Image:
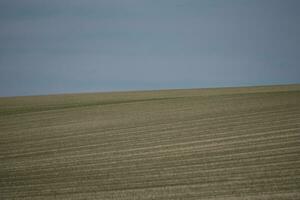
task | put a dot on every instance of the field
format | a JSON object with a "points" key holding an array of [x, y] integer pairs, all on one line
{"points": [[230, 143]]}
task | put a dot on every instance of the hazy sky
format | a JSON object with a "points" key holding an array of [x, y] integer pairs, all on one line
{"points": [[55, 46]]}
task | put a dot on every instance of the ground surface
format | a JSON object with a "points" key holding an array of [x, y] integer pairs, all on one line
{"points": [[236, 143]]}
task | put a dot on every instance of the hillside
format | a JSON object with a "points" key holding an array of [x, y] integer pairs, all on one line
{"points": [[226, 143]]}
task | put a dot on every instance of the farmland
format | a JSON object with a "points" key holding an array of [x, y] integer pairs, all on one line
{"points": [[223, 143]]}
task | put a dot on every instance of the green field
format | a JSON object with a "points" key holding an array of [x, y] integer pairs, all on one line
{"points": [[231, 143]]}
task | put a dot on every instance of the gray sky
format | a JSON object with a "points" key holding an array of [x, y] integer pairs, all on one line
{"points": [[56, 46]]}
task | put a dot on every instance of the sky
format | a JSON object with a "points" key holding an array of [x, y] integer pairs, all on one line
{"points": [[67, 46]]}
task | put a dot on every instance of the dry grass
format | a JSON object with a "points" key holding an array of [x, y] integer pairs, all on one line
{"points": [[233, 143]]}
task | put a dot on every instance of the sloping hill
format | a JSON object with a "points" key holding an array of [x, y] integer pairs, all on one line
{"points": [[231, 143]]}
